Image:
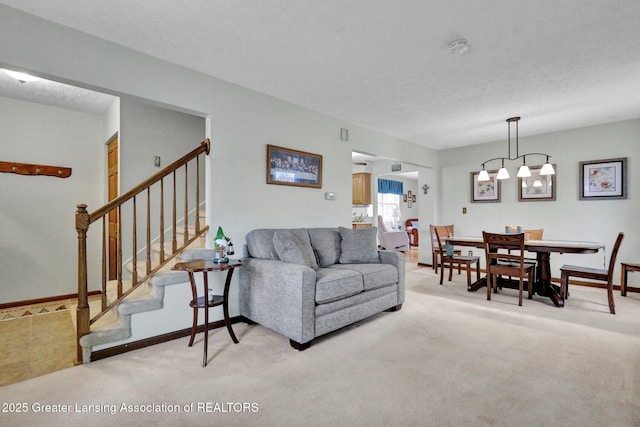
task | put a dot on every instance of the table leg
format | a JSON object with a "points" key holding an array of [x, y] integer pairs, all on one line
{"points": [[543, 285], [623, 282], [477, 284], [206, 317], [225, 305]]}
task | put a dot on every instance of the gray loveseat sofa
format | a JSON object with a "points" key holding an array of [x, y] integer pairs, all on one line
{"points": [[303, 283]]}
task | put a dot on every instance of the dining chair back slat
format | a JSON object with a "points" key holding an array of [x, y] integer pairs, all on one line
{"points": [[596, 274], [451, 257], [509, 263]]}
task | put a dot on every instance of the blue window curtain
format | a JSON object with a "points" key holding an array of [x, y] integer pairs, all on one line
{"points": [[386, 186]]}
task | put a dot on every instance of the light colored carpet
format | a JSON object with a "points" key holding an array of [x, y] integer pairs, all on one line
{"points": [[448, 358]]}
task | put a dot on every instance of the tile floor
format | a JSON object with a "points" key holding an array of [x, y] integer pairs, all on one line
{"points": [[36, 345]]}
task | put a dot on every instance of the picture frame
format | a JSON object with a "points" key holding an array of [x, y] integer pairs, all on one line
{"points": [[537, 188], [286, 166], [603, 179], [487, 191]]}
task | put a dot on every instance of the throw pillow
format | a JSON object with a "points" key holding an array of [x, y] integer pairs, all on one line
{"points": [[326, 244], [291, 248], [359, 246]]}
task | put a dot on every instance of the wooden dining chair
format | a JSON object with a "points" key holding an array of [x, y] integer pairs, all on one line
{"points": [[514, 266], [435, 247], [450, 258], [531, 234], [596, 274]]}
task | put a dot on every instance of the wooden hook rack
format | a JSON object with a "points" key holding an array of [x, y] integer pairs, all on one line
{"points": [[29, 169]]}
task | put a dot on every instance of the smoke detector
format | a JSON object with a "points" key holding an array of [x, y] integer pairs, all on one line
{"points": [[459, 47]]}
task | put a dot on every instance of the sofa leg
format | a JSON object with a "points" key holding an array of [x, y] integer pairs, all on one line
{"points": [[298, 346], [396, 308]]}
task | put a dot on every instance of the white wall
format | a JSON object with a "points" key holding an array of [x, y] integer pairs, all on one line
{"points": [[242, 123], [37, 216], [147, 131], [566, 218]]}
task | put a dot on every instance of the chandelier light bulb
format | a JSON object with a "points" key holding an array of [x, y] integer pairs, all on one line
{"points": [[483, 176], [503, 173], [547, 169], [524, 172]]}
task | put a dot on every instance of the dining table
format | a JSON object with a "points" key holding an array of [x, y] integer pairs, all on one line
{"points": [[543, 249]]}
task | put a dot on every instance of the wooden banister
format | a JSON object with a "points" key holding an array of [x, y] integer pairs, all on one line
{"points": [[99, 213], [84, 219]]}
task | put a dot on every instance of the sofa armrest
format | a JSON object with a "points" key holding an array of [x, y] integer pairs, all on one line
{"points": [[279, 296], [397, 260]]}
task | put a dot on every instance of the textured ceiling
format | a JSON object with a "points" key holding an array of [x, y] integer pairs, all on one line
{"points": [[57, 94], [385, 65]]}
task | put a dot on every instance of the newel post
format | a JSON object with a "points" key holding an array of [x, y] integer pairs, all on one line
{"points": [[83, 315]]}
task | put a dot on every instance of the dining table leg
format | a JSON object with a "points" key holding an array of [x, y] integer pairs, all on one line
{"points": [[543, 285]]}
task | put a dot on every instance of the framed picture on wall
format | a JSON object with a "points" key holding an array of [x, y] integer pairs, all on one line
{"points": [[286, 166], [485, 191], [603, 179], [536, 187]]}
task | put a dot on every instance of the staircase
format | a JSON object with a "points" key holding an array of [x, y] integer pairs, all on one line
{"points": [[141, 288], [116, 326]]}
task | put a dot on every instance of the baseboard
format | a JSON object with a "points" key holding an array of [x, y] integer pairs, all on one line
{"points": [[45, 300], [170, 336]]}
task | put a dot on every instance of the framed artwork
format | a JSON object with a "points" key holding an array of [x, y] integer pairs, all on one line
{"points": [[286, 166], [603, 179], [410, 198], [485, 191], [404, 198], [537, 188]]}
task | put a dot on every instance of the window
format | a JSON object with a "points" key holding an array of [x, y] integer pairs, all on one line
{"points": [[389, 208]]}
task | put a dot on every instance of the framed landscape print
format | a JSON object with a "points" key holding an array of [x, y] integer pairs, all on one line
{"points": [[286, 166], [603, 179], [485, 191], [537, 187]]}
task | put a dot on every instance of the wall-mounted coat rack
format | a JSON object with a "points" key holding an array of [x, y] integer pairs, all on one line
{"points": [[29, 169]]}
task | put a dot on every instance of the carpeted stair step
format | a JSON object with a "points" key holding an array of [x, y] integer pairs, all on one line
{"points": [[116, 325]]}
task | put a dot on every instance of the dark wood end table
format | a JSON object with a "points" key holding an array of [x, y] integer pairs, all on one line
{"points": [[203, 301]]}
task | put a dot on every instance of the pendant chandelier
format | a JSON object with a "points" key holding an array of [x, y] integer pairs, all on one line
{"points": [[524, 171]]}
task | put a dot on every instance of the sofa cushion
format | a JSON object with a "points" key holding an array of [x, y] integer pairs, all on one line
{"points": [[358, 246], [293, 249], [260, 242], [373, 275], [333, 284], [326, 244]]}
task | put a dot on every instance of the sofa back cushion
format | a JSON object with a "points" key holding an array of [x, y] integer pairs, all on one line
{"points": [[260, 244], [294, 249], [326, 244], [359, 246]]}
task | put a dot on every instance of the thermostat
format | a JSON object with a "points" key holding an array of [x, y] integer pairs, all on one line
{"points": [[329, 195]]}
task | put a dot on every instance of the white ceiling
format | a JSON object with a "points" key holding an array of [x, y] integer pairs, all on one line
{"points": [[385, 65], [57, 94]]}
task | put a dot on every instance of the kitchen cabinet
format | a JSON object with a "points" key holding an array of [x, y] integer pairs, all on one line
{"points": [[361, 188]]}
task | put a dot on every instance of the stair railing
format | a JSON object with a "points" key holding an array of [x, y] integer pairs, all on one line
{"points": [[84, 219]]}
